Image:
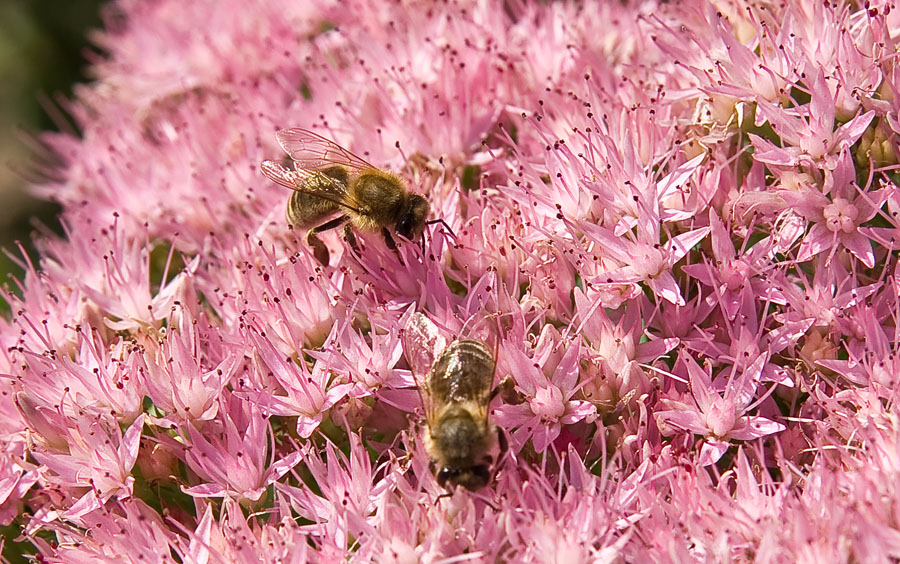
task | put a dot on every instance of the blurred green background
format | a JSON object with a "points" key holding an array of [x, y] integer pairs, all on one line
{"points": [[42, 54]]}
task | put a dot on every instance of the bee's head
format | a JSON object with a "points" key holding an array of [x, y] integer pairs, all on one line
{"points": [[472, 478], [411, 221]]}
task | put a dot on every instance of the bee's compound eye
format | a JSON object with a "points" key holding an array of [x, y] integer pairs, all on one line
{"points": [[412, 219], [445, 474], [405, 227], [482, 474]]}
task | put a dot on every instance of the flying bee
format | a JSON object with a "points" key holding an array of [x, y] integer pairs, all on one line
{"points": [[456, 391], [329, 181]]}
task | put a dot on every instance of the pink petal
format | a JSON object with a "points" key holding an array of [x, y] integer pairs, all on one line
{"points": [[306, 426], [544, 435], [818, 240], [651, 350], [131, 443], [566, 374], [632, 485], [711, 451], [576, 411], [789, 333], [8, 485], [701, 383], [722, 245], [755, 427], [281, 467], [851, 131], [206, 490], [821, 105], [861, 248], [855, 373], [666, 287], [683, 243], [687, 420], [887, 237], [198, 550], [88, 502], [671, 183]]}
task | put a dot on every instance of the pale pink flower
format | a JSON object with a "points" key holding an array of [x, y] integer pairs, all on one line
{"points": [[751, 334], [732, 271], [808, 134], [113, 272], [99, 458], [837, 213], [308, 393], [42, 319], [17, 476], [181, 382], [549, 385], [132, 532], [647, 260], [233, 457], [718, 417], [107, 379]]}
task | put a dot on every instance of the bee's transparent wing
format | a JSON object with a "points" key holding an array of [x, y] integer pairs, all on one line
{"points": [[295, 179], [485, 328], [313, 152], [283, 175], [422, 342]]}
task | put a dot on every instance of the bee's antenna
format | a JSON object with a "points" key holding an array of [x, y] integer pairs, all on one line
{"points": [[446, 227], [489, 503]]}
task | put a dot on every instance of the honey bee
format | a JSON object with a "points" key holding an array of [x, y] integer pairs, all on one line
{"points": [[328, 180], [456, 391]]}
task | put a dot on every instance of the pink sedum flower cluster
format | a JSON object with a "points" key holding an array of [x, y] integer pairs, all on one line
{"points": [[681, 218]]}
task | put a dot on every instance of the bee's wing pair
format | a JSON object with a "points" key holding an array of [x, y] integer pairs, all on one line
{"points": [[423, 344], [312, 153]]}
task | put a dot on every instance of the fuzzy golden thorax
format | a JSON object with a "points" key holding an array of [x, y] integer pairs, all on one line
{"points": [[379, 198]]}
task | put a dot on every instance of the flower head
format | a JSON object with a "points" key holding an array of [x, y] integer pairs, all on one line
{"points": [[674, 225]]}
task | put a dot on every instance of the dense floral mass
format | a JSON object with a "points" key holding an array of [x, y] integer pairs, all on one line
{"points": [[680, 219]]}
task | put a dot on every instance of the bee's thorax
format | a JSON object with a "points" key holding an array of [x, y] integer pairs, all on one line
{"points": [[379, 196]]}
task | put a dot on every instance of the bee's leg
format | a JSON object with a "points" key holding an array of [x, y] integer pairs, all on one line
{"points": [[502, 443], [388, 239], [506, 389], [351, 239], [502, 449], [320, 251], [391, 244]]}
